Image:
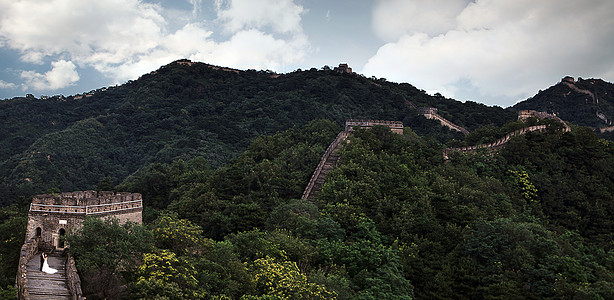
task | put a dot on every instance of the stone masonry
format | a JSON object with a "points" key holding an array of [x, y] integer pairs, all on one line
{"points": [[52, 216]]}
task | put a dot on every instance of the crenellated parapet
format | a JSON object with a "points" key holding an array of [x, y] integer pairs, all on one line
{"points": [[432, 113], [494, 145], [395, 126], [498, 144], [53, 215], [87, 203]]}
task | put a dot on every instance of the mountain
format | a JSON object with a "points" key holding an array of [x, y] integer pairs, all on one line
{"points": [[392, 219], [185, 110], [585, 102]]}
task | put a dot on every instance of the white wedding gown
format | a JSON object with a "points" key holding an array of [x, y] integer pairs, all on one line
{"points": [[47, 269]]}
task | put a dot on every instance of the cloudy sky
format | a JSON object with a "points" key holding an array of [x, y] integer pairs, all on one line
{"points": [[491, 51]]}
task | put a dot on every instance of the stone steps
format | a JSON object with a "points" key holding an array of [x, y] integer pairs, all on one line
{"points": [[47, 286], [329, 164]]}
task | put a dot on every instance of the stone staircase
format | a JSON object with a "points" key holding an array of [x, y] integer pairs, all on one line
{"points": [[47, 286], [328, 162]]}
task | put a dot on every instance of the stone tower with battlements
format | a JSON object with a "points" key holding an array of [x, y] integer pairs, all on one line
{"points": [[52, 216]]}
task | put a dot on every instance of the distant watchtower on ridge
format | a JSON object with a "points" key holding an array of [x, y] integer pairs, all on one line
{"points": [[52, 216], [343, 68]]}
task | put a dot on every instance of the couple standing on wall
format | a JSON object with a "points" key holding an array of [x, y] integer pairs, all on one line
{"points": [[45, 265]]}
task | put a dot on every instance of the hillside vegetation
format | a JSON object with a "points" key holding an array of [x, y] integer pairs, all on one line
{"points": [[222, 157], [190, 110], [585, 102], [392, 221]]}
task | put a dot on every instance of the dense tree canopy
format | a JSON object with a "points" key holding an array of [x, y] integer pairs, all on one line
{"points": [[183, 112], [393, 220], [222, 159]]}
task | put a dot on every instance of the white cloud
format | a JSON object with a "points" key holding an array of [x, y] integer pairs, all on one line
{"points": [[394, 18], [7, 85], [62, 74], [196, 7], [111, 29], [281, 16], [127, 38], [270, 53], [505, 49]]}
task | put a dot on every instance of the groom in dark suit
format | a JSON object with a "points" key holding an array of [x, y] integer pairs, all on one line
{"points": [[42, 260]]}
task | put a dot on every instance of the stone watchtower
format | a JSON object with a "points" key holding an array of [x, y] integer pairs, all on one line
{"points": [[52, 216]]}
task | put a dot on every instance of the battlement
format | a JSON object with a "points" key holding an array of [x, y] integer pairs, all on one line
{"points": [[427, 110], [84, 199], [498, 144], [525, 114], [431, 113], [53, 215], [343, 68], [395, 126]]}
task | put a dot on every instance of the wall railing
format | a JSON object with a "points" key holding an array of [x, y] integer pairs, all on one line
{"points": [[87, 209], [73, 281], [28, 249], [498, 143]]}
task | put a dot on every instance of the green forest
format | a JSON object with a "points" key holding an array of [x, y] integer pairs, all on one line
{"points": [[182, 112], [392, 221], [222, 159]]}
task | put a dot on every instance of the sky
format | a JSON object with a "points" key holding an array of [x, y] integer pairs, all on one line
{"points": [[496, 52]]}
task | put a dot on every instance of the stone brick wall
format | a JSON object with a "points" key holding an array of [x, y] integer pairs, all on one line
{"points": [[28, 249], [135, 216], [50, 225], [53, 215], [395, 126], [73, 279]]}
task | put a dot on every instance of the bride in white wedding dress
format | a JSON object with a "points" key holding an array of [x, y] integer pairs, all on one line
{"points": [[46, 267]]}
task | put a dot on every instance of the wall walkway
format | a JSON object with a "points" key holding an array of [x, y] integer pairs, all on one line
{"points": [[327, 162], [330, 158], [47, 286]]}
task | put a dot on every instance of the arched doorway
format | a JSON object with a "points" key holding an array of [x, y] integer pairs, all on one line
{"points": [[62, 233], [39, 231]]}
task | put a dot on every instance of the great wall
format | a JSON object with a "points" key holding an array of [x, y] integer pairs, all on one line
{"points": [[50, 218], [53, 216], [431, 113], [500, 143], [331, 156], [571, 83]]}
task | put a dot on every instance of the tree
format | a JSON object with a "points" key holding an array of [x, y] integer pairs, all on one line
{"points": [[282, 279], [105, 185], [107, 253], [179, 235], [12, 230], [164, 274]]}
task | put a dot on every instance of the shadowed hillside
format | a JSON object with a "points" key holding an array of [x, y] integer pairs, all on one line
{"points": [[185, 110], [585, 102]]}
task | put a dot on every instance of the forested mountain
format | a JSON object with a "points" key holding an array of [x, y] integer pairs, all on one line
{"points": [[585, 102], [185, 110], [393, 221], [222, 156]]}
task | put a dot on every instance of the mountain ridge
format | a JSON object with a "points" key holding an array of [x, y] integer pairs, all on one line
{"points": [[584, 102], [190, 109]]}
